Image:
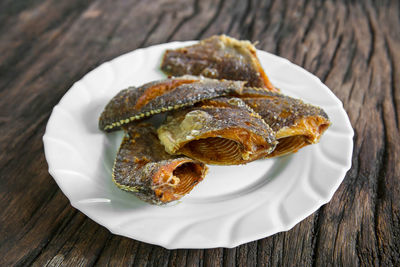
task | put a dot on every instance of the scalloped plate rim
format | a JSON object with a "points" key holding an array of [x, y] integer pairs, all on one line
{"points": [[278, 228]]}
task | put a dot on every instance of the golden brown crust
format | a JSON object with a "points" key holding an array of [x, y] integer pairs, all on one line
{"points": [[220, 131], [134, 104], [143, 167], [218, 57], [295, 123], [159, 89]]}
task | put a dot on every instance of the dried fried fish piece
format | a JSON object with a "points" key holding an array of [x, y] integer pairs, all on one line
{"points": [[221, 131], [295, 123], [219, 57], [143, 167], [134, 104]]}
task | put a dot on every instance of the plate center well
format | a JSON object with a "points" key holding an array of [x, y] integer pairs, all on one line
{"points": [[225, 181]]}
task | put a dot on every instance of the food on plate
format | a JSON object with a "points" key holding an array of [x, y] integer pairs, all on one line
{"points": [[223, 131], [218, 57], [134, 104], [295, 123], [143, 167], [234, 116]]}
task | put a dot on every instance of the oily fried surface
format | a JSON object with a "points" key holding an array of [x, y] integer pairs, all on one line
{"points": [[295, 123], [143, 167], [219, 57], [214, 122], [133, 104], [280, 111]]}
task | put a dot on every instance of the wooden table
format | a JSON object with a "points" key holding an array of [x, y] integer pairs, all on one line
{"points": [[354, 48]]}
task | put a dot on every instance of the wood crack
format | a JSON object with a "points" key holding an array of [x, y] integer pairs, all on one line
{"points": [[20, 142], [152, 30], [23, 232], [35, 253], [35, 218], [392, 91], [310, 23], [278, 33], [360, 260], [380, 181], [212, 20], [59, 230], [246, 31], [75, 236], [8, 67], [98, 255], [230, 25], [143, 262], [268, 16], [334, 55], [184, 20], [350, 95], [135, 254], [315, 236], [349, 69], [372, 31]]}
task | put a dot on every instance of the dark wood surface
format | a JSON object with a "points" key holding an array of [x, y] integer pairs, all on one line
{"points": [[45, 46]]}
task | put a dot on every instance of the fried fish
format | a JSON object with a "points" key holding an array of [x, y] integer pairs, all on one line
{"points": [[295, 123], [134, 104], [221, 131], [144, 168], [218, 57]]}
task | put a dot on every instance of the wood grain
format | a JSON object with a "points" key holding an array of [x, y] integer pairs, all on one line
{"points": [[353, 47]]}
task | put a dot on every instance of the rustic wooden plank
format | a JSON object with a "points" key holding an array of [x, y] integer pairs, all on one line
{"points": [[159, 256], [118, 251], [213, 257], [43, 20], [24, 144], [350, 215], [178, 258], [229, 257], [354, 47], [194, 257]]}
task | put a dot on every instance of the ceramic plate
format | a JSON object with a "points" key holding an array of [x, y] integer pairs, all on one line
{"points": [[234, 204]]}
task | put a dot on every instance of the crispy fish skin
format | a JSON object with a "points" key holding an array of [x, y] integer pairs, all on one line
{"points": [[144, 168], [134, 104], [218, 57], [295, 123], [221, 131]]}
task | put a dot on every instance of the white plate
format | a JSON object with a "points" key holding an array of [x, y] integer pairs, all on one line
{"points": [[233, 205]]}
